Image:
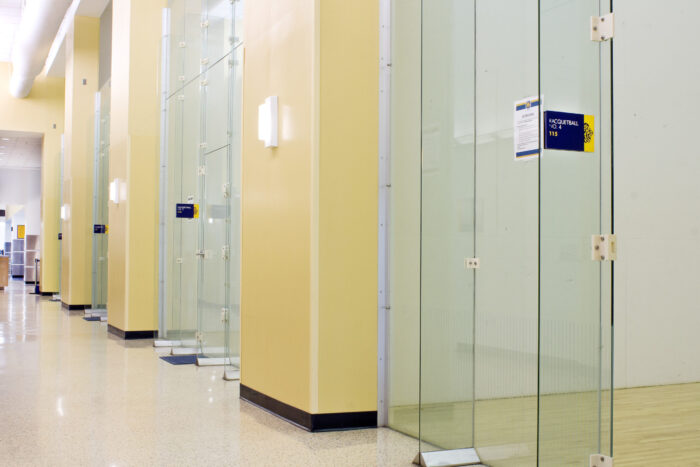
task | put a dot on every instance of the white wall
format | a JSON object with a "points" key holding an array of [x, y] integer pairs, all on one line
{"points": [[23, 187], [657, 161]]}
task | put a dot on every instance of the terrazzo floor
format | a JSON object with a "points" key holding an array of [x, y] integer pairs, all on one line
{"points": [[72, 394]]}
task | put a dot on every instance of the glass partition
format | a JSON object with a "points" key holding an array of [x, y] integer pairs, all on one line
{"points": [[100, 199], [513, 315], [201, 161]]}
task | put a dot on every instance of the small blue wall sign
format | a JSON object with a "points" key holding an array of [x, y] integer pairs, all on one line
{"points": [[568, 131], [186, 211], [99, 229]]}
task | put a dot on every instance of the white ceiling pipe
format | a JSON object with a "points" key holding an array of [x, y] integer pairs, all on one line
{"points": [[37, 29]]}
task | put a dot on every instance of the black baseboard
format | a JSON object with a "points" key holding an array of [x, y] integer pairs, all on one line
{"points": [[75, 307], [307, 421], [131, 335], [48, 294]]}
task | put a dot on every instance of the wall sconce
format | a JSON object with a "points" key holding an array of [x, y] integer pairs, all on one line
{"points": [[267, 122], [65, 212], [114, 191]]}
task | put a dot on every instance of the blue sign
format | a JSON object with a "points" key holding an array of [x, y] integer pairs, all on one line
{"points": [[568, 131], [186, 211], [60, 236], [99, 229]]}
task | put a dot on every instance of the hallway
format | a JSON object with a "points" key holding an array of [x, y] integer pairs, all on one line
{"points": [[71, 394]]}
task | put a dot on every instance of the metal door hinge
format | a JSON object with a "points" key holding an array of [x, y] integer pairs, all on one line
{"points": [[178, 260], [226, 189], [471, 263], [603, 27], [204, 24], [182, 44], [224, 252], [604, 247], [599, 460], [198, 336], [224, 315], [202, 170]]}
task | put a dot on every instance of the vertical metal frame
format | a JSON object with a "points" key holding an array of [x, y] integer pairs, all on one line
{"points": [[384, 206]]}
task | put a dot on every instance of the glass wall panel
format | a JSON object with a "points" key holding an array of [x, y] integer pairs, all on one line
{"points": [[101, 198], [447, 226], [506, 237], [202, 118], [404, 218]]}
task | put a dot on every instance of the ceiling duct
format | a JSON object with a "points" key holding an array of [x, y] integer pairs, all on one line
{"points": [[37, 30]]}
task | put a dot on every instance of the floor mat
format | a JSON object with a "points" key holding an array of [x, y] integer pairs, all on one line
{"points": [[180, 359]]}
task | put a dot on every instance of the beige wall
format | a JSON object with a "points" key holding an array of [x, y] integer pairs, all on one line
{"points": [[82, 55], [309, 261], [134, 156], [41, 112]]}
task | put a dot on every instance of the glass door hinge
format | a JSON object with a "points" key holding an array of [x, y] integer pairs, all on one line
{"points": [[599, 460], [182, 44], [178, 260], [200, 253], [226, 190], [471, 263], [604, 247], [204, 24], [201, 170], [224, 315], [224, 252], [603, 27], [198, 336]]}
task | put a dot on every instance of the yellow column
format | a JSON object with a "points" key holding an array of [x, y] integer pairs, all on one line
{"points": [[134, 160], [309, 213], [41, 112], [82, 66]]}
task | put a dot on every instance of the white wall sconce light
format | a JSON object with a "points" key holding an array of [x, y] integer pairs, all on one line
{"points": [[65, 212], [115, 191], [267, 122]]}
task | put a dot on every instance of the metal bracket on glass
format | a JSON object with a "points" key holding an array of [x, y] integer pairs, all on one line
{"points": [[178, 260], [182, 44], [181, 78], [472, 263], [205, 61], [201, 170], [224, 315], [602, 27], [204, 24], [599, 460], [200, 253], [204, 82], [450, 458], [604, 247], [181, 97], [225, 252], [226, 189]]}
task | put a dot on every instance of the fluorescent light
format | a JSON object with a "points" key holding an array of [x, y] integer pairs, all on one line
{"points": [[267, 122]]}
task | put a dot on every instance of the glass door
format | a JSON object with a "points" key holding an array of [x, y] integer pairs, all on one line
{"points": [[575, 189]]}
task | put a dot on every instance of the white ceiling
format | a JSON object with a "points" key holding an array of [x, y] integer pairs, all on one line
{"points": [[10, 14], [20, 150]]}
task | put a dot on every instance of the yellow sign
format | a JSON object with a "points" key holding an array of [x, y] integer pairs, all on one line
{"points": [[196, 211], [106, 229], [588, 133], [20, 231]]}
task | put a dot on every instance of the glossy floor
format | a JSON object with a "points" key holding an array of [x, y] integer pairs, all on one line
{"points": [[72, 395]]}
